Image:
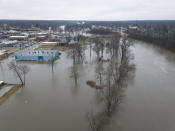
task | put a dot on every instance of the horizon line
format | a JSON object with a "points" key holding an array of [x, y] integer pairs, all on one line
{"points": [[85, 20]]}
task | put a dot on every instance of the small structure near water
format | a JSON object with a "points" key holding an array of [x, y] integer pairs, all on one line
{"points": [[37, 55], [3, 54]]}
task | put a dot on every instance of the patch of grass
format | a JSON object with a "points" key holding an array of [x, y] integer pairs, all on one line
{"points": [[84, 41], [52, 47], [9, 93], [61, 48]]}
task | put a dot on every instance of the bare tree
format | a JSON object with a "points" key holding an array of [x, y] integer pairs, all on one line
{"points": [[24, 69], [52, 61], [77, 54], [97, 46], [19, 70], [75, 74], [99, 72]]}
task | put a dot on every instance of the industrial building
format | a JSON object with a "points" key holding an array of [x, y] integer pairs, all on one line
{"points": [[37, 55]]}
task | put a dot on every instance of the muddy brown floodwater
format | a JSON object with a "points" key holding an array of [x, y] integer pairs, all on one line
{"points": [[51, 101]]}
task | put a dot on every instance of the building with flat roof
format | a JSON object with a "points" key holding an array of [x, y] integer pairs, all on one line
{"points": [[18, 37], [36, 55], [49, 43]]}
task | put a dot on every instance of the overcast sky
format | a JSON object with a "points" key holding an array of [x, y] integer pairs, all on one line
{"points": [[88, 9]]}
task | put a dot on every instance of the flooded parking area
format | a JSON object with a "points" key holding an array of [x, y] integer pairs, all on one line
{"points": [[60, 99]]}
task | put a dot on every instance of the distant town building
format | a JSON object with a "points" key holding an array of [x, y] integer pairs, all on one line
{"points": [[133, 27], [50, 43], [15, 43], [72, 42], [41, 38], [20, 38], [6, 27], [63, 41]]}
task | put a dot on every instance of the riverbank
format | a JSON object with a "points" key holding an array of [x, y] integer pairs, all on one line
{"points": [[153, 42], [8, 93]]}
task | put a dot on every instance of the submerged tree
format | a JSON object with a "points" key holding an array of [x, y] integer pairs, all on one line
{"points": [[19, 70], [75, 73], [52, 62], [99, 46], [99, 72], [77, 54]]}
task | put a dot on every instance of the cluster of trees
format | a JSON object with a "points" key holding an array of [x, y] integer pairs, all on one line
{"points": [[160, 33], [19, 70], [100, 31], [73, 27], [112, 76], [70, 24], [77, 54]]}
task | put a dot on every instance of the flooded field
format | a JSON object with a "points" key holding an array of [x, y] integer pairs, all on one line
{"points": [[62, 100]]}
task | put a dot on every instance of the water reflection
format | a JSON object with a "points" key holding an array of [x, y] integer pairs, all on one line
{"points": [[113, 75]]}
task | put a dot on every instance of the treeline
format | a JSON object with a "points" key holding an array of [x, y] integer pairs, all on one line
{"points": [[159, 33], [43, 24], [71, 25], [100, 31]]}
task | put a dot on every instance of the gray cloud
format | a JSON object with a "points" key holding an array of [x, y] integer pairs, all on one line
{"points": [[87, 10]]}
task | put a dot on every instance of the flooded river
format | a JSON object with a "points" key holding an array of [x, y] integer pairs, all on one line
{"points": [[53, 101]]}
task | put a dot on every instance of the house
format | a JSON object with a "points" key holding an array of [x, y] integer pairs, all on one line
{"points": [[3, 54], [41, 38], [37, 55]]}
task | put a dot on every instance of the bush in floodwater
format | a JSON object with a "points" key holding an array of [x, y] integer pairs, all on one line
{"points": [[93, 84]]}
